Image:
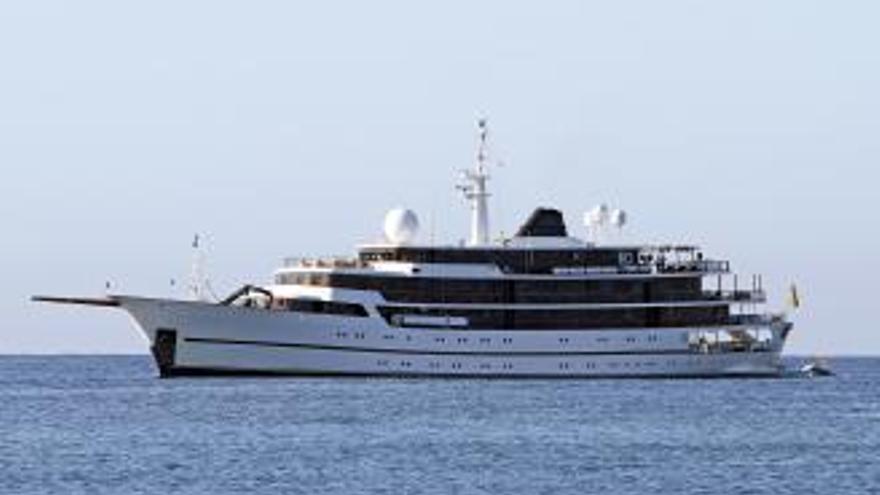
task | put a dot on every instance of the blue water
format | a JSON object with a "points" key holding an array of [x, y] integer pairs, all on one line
{"points": [[96, 425]]}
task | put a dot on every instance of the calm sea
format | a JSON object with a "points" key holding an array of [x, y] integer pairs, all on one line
{"points": [[102, 425]]}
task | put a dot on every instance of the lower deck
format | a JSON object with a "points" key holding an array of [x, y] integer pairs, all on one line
{"points": [[189, 338]]}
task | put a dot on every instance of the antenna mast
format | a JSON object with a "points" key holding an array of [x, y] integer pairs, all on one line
{"points": [[197, 282], [474, 189]]}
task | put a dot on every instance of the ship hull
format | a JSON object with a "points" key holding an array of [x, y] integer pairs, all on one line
{"points": [[197, 339]]}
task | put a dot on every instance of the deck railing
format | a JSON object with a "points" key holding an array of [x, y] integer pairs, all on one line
{"points": [[325, 262], [753, 296], [655, 266], [765, 319], [704, 266]]}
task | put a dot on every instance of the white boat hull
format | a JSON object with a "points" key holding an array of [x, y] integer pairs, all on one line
{"points": [[192, 338]]}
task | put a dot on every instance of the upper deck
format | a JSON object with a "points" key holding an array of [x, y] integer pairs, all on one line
{"points": [[518, 260]]}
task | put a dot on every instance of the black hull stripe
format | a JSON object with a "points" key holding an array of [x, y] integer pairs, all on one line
{"points": [[411, 352]]}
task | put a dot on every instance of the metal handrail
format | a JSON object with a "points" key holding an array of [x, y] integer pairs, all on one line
{"points": [[706, 266], [744, 295], [765, 319], [324, 262]]}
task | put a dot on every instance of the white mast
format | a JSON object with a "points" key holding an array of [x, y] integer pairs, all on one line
{"points": [[197, 282], [474, 190]]}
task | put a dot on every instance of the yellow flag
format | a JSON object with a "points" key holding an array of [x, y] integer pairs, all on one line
{"points": [[794, 300]]}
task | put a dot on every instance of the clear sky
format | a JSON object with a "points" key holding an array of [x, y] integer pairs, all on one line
{"points": [[275, 128]]}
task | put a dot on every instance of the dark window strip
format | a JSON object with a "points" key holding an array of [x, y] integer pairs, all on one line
{"points": [[563, 319], [324, 307], [484, 290]]}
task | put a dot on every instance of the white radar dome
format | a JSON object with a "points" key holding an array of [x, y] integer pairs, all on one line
{"points": [[401, 226], [598, 216], [617, 218]]}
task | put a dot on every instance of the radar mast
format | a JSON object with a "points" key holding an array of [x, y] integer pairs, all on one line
{"points": [[474, 189]]}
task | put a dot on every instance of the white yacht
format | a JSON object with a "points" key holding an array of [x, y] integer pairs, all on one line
{"points": [[539, 304]]}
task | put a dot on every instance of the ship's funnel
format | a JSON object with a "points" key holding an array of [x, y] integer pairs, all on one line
{"points": [[544, 222]]}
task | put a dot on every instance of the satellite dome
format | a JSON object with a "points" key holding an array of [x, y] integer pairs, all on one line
{"points": [[401, 226], [598, 216], [617, 218]]}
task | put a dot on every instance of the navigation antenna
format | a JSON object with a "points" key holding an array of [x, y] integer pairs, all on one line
{"points": [[474, 189], [198, 286]]}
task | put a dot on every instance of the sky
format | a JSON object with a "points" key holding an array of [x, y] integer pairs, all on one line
{"points": [[285, 128]]}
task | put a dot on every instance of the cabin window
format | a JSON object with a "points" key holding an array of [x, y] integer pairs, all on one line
{"points": [[325, 307]]}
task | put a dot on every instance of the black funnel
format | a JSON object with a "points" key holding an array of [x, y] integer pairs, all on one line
{"points": [[544, 222]]}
